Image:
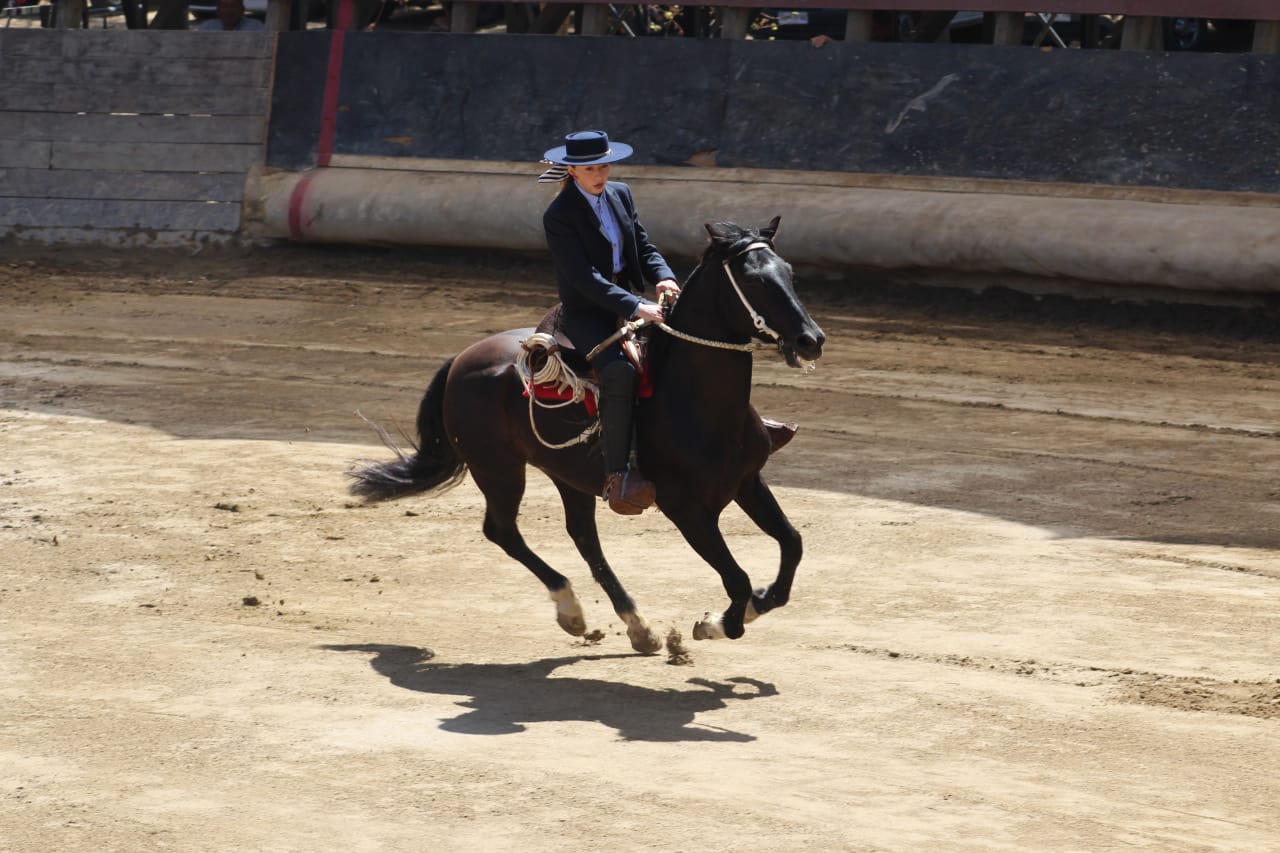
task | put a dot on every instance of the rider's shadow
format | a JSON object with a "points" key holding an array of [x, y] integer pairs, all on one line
{"points": [[504, 698]]}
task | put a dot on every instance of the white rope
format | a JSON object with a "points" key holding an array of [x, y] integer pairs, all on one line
{"points": [[749, 346], [756, 319], [553, 372]]}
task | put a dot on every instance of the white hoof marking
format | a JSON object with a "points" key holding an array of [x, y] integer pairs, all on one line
{"points": [[569, 613], [643, 638], [709, 627]]}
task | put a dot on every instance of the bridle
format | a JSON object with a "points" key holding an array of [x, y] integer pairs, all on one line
{"points": [[757, 319]]}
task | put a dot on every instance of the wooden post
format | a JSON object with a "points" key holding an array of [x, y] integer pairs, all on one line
{"points": [[1141, 33], [1007, 27], [551, 19], [934, 27], [171, 15], [1266, 36], [463, 17], [858, 26], [279, 14], [595, 19], [135, 14], [68, 14], [734, 22]]}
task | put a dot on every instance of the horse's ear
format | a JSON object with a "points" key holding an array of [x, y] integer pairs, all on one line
{"points": [[771, 230], [721, 233]]}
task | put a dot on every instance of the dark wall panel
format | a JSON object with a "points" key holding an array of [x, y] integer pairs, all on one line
{"points": [[302, 60], [1194, 121]]}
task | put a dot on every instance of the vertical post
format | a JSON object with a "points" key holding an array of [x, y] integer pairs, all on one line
{"points": [[463, 17], [68, 14], [858, 26], [1141, 33], [733, 22], [279, 13], [1266, 36], [1007, 27], [595, 19]]}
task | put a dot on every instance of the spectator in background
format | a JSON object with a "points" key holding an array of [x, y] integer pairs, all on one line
{"points": [[231, 17]]}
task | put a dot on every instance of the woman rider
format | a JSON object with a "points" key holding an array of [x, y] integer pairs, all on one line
{"points": [[603, 258]]}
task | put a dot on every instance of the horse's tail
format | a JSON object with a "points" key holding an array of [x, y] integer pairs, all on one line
{"points": [[433, 466]]}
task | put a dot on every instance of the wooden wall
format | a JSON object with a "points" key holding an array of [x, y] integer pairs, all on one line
{"points": [[126, 137]]}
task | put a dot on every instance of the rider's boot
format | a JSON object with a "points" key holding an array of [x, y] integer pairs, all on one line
{"points": [[626, 490]]}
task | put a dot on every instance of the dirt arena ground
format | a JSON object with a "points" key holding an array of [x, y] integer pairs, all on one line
{"points": [[1037, 610]]}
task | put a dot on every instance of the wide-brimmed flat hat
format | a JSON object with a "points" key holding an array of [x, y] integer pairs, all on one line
{"points": [[586, 148]]}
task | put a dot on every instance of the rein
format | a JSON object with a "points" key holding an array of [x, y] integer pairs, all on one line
{"points": [[757, 319]]}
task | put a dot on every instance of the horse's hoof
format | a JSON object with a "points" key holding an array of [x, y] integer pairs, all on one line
{"points": [[574, 626], [646, 642], [643, 638], [709, 627], [569, 615]]}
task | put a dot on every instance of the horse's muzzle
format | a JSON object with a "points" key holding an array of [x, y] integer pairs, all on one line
{"points": [[806, 349]]}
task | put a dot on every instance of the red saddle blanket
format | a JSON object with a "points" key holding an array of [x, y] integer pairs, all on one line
{"points": [[644, 389]]}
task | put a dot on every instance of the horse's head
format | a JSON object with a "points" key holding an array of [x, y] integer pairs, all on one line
{"points": [[760, 280]]}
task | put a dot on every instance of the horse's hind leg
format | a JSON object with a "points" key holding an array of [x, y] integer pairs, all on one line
{"points": [[502, 493], [580, 521], [757, 501]]}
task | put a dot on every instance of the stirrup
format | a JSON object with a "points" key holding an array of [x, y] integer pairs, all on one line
{"points": [[628, 492]]}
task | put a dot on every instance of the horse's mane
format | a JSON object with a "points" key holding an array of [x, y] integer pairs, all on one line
{"points": [[718, 250], [735, 238]]}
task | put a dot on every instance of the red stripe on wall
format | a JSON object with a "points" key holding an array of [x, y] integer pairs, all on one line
{"points": [[333, 84], [299, 216]]}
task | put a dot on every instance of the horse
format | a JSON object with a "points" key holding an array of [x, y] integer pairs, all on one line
{"points": [[697, 437]]}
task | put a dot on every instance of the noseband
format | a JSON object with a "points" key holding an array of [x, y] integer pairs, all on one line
{"points": [[757, 319]]}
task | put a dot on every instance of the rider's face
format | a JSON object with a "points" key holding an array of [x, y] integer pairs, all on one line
{"points": [[591, 178]]}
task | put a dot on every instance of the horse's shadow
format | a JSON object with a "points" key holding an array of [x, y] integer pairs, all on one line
{"points": [[504, 698]]}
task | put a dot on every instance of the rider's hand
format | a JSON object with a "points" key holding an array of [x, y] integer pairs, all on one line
{"points": [[667, 286], [649, 312]]}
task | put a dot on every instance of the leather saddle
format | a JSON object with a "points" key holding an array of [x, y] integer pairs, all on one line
{"points": [[779, 433], [577, 361]]}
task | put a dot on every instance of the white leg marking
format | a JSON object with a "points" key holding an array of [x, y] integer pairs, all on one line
{"points": [[643, 638], [710, 627], [751, 615], [569, 613]]}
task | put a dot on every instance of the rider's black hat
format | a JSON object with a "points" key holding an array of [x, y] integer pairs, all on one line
{"points": [[587, 147]]}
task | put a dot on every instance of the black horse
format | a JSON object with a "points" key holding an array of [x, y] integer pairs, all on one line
{"points": [[697, 437]]}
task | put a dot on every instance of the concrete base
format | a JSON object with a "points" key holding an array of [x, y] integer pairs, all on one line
{"points": [[1187, 241]]}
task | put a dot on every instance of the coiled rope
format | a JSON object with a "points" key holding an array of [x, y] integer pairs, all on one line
{"points": [[553, 372]]}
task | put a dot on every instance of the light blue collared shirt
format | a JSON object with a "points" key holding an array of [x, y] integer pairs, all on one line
{"points": [[608, 222]]}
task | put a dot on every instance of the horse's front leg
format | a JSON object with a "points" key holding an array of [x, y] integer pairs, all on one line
{"points": [[757, 501], [580, 521], [701, 529]]}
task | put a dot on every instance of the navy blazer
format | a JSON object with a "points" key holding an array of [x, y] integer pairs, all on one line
{"points": [[583, 260]]}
